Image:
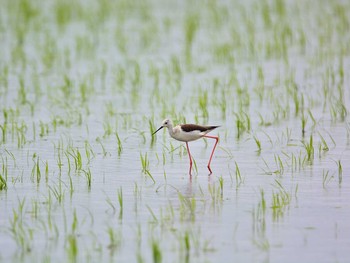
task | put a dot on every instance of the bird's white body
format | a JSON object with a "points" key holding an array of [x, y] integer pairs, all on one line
{"points": [[185, 136]]}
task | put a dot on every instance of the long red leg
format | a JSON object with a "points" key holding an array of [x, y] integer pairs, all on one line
{"points": [[212, 153], [189, 155]]}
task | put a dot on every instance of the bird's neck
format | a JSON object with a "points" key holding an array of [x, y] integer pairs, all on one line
{"points": [[171, 130]]}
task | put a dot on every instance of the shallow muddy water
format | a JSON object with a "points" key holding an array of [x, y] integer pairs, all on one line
{"points": [[83, 85]]}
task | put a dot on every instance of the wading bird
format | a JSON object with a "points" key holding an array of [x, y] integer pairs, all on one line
{"points": [[190, 132]]}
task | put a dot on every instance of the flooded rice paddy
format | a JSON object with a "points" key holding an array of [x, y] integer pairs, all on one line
{"points": [[84, 84]]}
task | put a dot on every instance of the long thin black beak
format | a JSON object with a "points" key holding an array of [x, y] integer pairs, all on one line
{"points": [[161, 127]]}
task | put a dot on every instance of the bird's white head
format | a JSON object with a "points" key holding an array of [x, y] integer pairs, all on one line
{"points": [[166, 123]]}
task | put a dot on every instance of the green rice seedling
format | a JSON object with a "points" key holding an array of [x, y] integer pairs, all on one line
{"points": [[71, 186], [347, 126], [58, 192], [4, 168], [120, 200], [144, 162], [155, 219], [152, 129], [262, 244], [68, 87], [137, 191], [48, 201], [75, 222], [280, 112], [343, 111], [59, 162], [20, 232], [325, 92], [228, 152], [44, 129], [295, 166], [4, 78], [287, 135], [239, 178], [258, 143], [157, 157], [223, 53], [296, 191], [239, 126], [88, 177], [195, 167], [221, 182], [34, 132], [165, 176], [176, 67], [68, 161], [243, 96], [120, 78], [121, 39], [297, 102], [303, 124], [143, 136], [72, 247], [188, 207], [191, 28], [215, 194], [36, 168], [120, 146], [340, 172], [35, 209], [3, 183], [280, 200], [156, 251], [314, 122], [164, 158], [108, 129], [223, 105], [12, 157], [338, 111], [323, 146], [89, 153], [36, 171], [326, 178], [259, 219], [242, 123], [103, 148], [85, 89], [139, 257], [20, 132], [279, 165], [172, 150], [154, 72], [333, 113], [150, 176], [186, 240], [22, 93], [115, 239], [111, 204], [260, 88], [277, 205], [203, 103], [75, 153], [136, 85], [110, 109], [3, 131], [262, 201], [309, 147]]}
